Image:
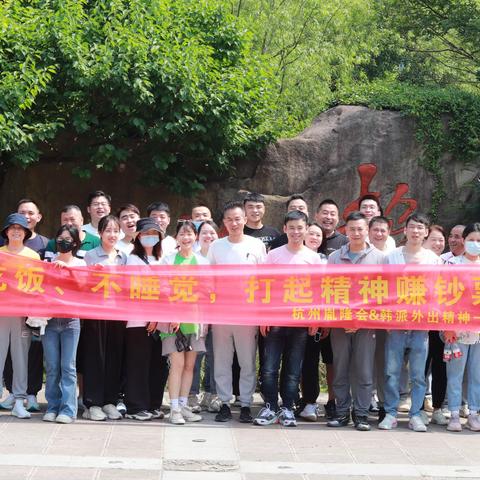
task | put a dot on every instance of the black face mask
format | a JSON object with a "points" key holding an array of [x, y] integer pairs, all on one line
{"points": [[65, 246]]}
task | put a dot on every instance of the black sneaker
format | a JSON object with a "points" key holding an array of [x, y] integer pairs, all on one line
{"points": [[245, 415], [381, 414], [330, 410], [361, 423], [339, 421], [224, 415]]}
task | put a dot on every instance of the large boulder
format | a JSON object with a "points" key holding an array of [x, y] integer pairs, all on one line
{"points": [[346, 152]]}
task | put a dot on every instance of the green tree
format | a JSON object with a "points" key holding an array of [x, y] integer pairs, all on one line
{"points": [[313, 47], [169, 86]]}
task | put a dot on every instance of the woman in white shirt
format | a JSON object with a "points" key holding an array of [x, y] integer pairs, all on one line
{"points": [[146, 368], [468, 343]]}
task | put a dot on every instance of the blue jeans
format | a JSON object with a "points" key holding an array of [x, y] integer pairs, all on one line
{"points": [[416, 345], [60, 349], [289, 343], [470, 360], [208, 379]]}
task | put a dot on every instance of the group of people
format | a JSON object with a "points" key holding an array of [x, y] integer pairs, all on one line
{"points": [[122, 368]]}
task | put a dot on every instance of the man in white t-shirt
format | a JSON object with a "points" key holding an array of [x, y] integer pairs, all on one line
{"points": [[455, 243], [285, 345], [99, 206], [160, 212], [235, 249], [412, 342]]}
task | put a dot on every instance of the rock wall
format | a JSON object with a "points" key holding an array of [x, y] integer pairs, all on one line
{"points": [[346, 152]]}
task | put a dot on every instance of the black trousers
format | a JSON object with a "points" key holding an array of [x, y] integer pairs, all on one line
{"points": [[310, 383], [439, 368], [102, 351], [146, 370], [35, 369]]}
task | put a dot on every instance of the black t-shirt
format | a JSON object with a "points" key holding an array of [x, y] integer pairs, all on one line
{"points": [[266, 234], [330, 244], [279, 241]]}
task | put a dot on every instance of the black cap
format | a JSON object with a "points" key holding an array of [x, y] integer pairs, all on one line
{"points": [[145, 224], [16, 219]]}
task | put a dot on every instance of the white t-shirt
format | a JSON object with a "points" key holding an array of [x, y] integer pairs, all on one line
{"points": [[283, 256], [390, 245], [76, 262], [125, 247], [169, 246], [135, 260], [249, 251], [89, 228], [397, 257]]}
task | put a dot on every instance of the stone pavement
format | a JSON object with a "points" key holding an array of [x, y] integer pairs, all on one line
{"points": [[34, 450]]}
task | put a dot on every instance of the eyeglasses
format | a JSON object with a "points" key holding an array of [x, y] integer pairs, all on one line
{"points": [[99, 204]]}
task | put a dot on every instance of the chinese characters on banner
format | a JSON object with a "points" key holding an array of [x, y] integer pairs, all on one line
{"points": [[389, 296]]}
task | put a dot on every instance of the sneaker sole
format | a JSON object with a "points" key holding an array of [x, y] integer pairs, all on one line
{"points": [[264, 423], [309, 418], [133, 417], [288, 424], [388, 428]]}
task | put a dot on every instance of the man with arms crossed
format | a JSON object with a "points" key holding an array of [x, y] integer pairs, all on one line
{"points": [[235, 249]]}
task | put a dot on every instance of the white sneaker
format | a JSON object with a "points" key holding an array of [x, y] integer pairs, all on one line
{"points": [[112, 412], [439, 418], [32, 404], [473, 422], [176, 417], [266, 416], [424, 417], [454, 425], [49, 417], [19, 410], [309, 413], [8, 403], [286, 418], [189, 416], [64, 419], [94, 413], [388, 422], [416, 424]]}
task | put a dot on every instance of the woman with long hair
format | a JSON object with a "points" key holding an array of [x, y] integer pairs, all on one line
{"points": [[60, 341], [183, 340], [103, 340], [146, 368]]}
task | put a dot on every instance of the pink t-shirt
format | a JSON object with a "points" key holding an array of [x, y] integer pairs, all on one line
{"points": [[283, 256]]}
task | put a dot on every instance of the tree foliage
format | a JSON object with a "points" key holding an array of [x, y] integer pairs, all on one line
{"points": [[171, 86]]}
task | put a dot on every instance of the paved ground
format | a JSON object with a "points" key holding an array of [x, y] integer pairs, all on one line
{"points": [[32, 449]]}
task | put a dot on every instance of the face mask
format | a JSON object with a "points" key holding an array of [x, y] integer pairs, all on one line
{"points": [[197, 223], [65, 246], [472, 248], [149, 240]]}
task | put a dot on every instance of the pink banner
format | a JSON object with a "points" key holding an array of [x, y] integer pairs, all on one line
{"points": [[358, 296]]}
